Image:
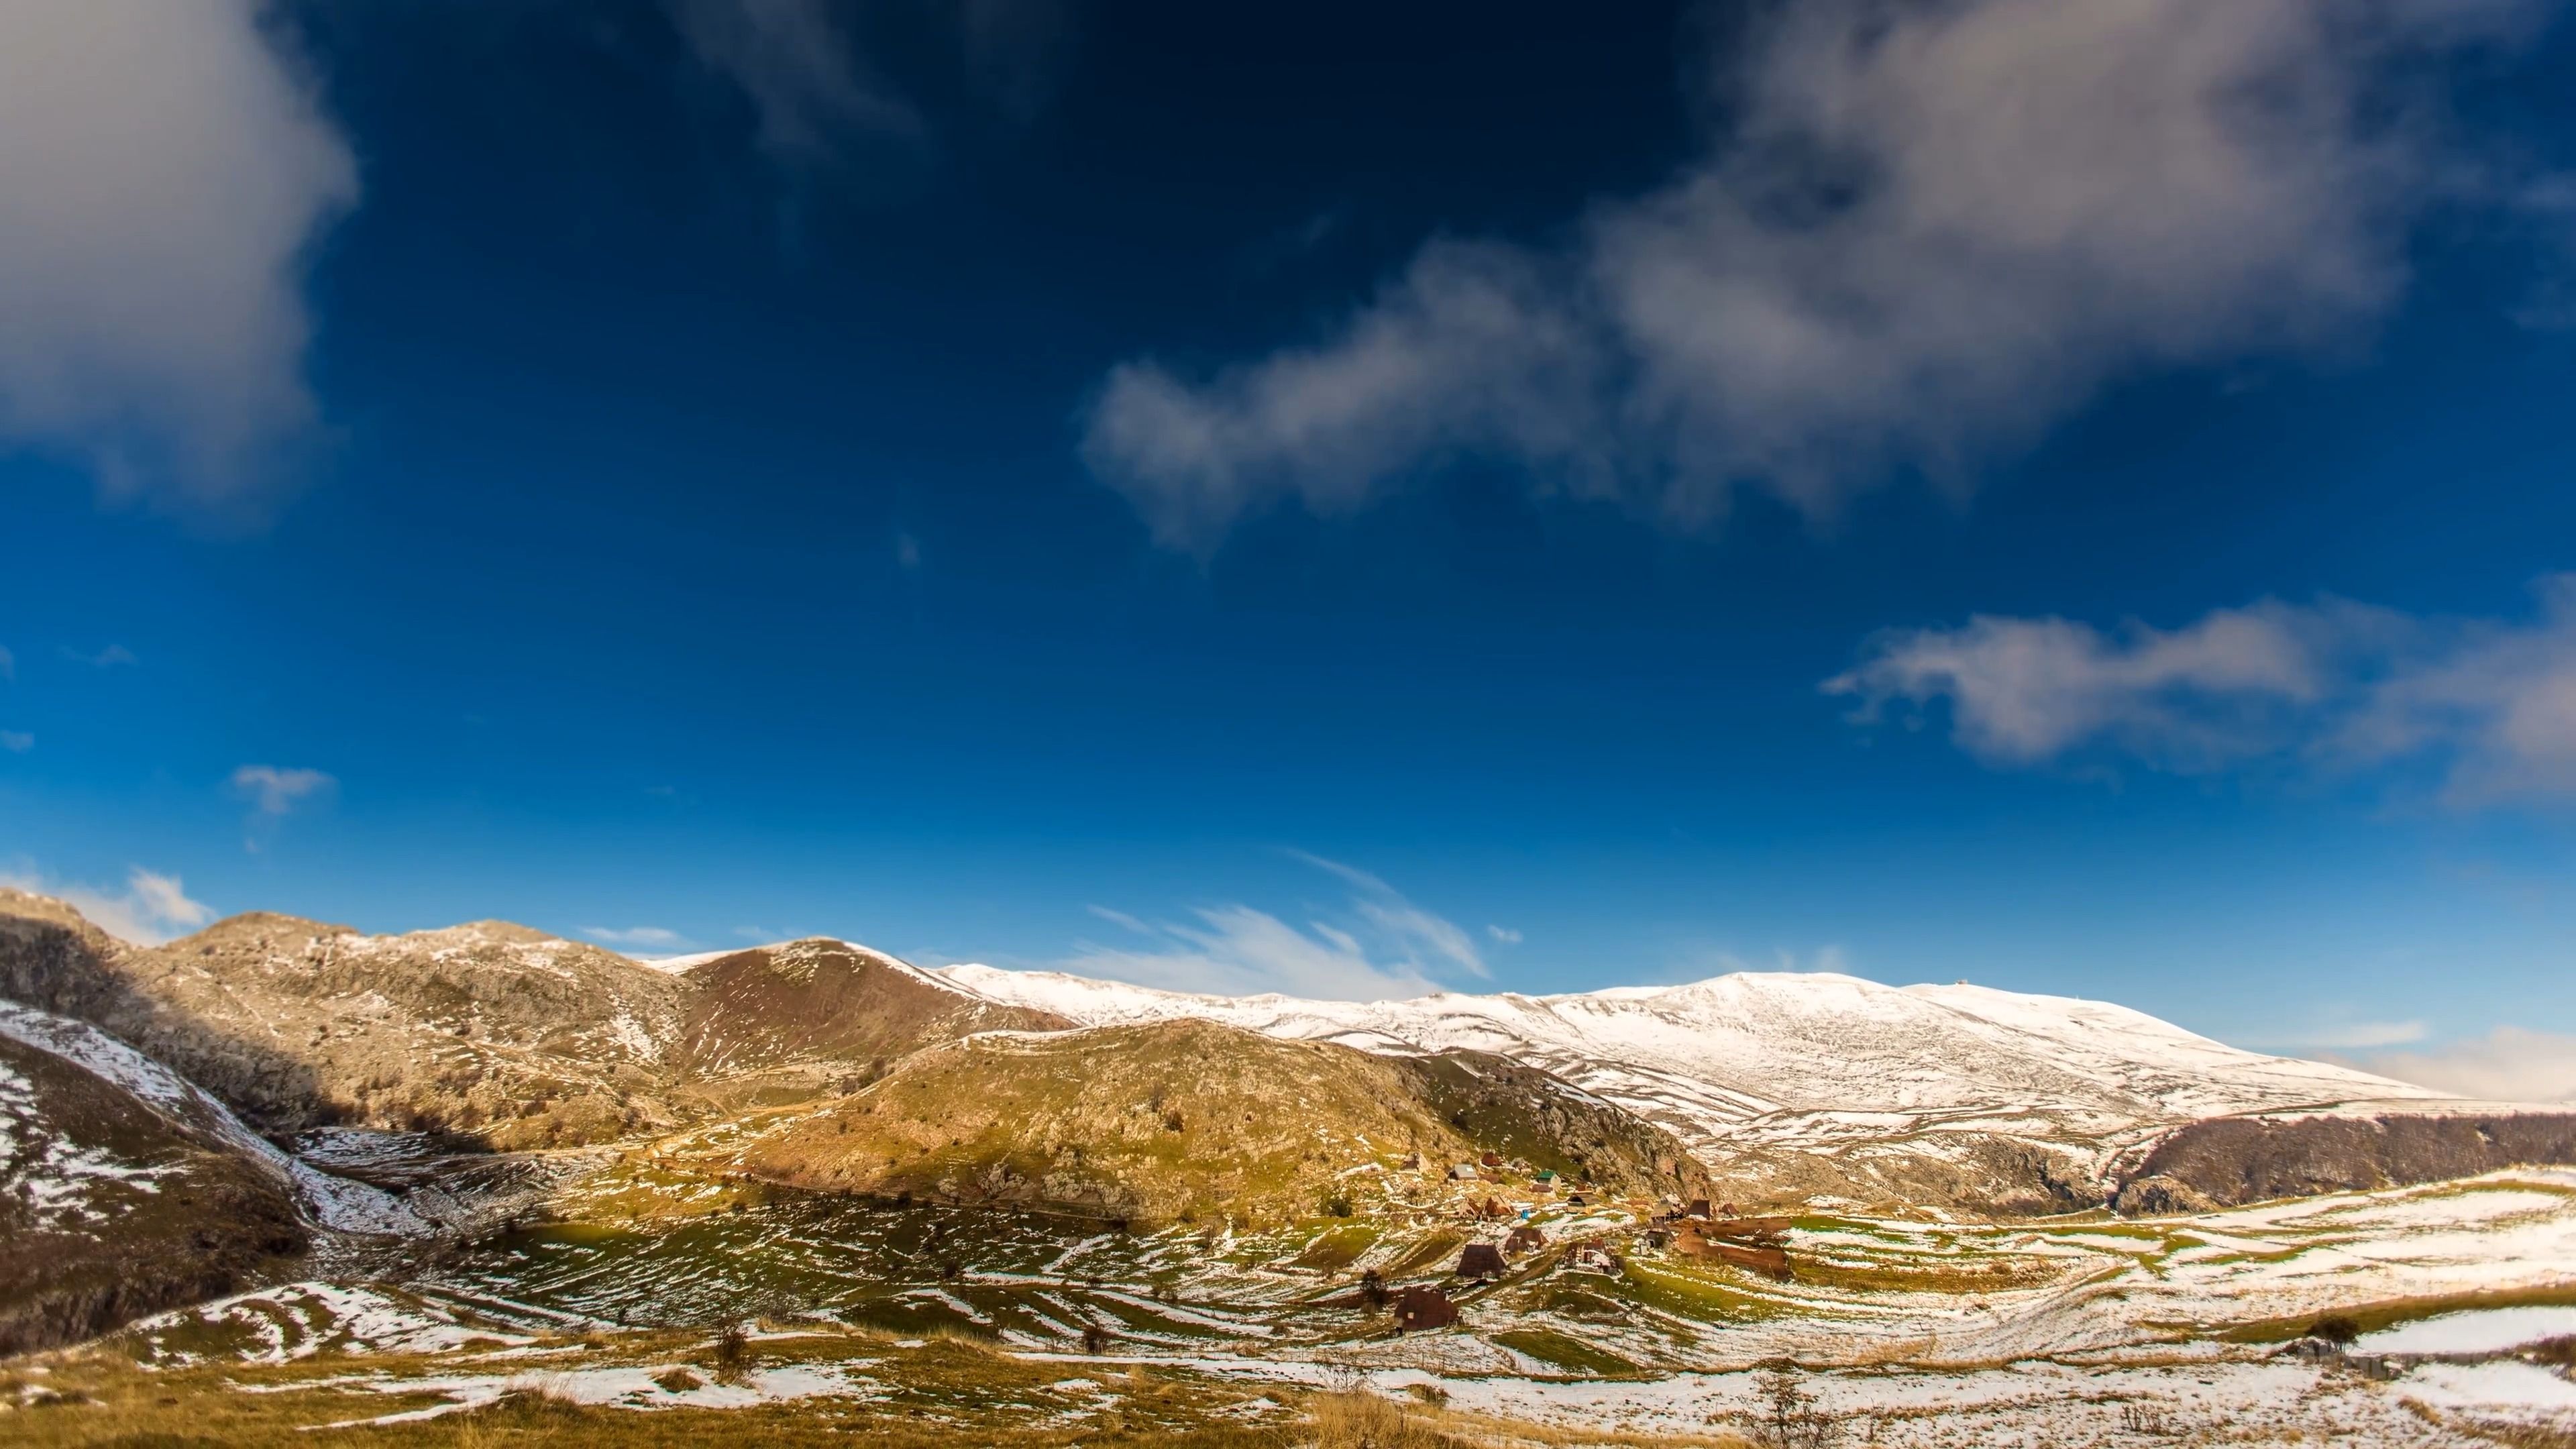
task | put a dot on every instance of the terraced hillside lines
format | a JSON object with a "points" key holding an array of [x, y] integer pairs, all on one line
{"points": [[489, 1030], [788, 1022], [1187, 1120], [110, 1209]]}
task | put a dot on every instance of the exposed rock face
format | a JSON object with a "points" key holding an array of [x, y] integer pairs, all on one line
{"points": [[2232, 1160], [787, 1023], [489, 1031], [110, 1210], [1191, 1121]]}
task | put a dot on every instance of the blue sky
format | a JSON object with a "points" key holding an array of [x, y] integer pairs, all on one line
{"points": [[2071, 497]]}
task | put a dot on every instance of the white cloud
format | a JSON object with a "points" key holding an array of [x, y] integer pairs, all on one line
{"points": [[1504, 934], [761, 934], [150, 910], [275, 791], [164, 174], [17, 742], [107, 658], [1928, 232], [647, 936], [2486, 708], [1387, 947], [2509, 1064]]}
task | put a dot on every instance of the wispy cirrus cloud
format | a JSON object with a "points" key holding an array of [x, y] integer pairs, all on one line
{"points": [[2484, 709], [150, 909], [648, 937], [818, 92], [107, 658], [17, 742], [1381, 946], [1925, 233]]}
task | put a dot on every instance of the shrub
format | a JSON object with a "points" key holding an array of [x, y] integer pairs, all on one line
{"points": [[2335, 1328], [732, 1353]]}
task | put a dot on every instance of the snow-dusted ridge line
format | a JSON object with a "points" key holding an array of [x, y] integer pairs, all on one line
{"points": [[683, 964], [1790, 1059], [334, 1202]]}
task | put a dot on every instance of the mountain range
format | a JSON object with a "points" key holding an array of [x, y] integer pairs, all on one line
{"points": [[179, 1118]]}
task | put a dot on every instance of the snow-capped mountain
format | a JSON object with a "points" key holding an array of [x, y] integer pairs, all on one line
{"points": [[1757, 1070]]}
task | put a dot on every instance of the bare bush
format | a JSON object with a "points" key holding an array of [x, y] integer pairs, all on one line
{"points": [[1788, 1417]]}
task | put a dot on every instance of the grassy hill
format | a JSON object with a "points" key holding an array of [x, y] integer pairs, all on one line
{"points": [[1195, 1122]]}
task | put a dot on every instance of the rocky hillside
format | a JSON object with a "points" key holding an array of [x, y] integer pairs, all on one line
{"points": [[790, 1022], [111, 1207], [1196, 1122], [490, 1031], [2229, 1161]]}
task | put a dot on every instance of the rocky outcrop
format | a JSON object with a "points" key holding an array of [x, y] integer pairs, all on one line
{"points": [[2228, 1161], [489, 1032]]}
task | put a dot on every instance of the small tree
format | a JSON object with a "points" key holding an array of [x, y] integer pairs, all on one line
{"points": [[732, 1352], [1788, 1417], [1373, 1292]]}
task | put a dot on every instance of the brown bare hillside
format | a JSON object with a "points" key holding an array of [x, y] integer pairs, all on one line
{"points": [[109, 1210], [489, 1030], [786, 1023], [1183, 1120]]}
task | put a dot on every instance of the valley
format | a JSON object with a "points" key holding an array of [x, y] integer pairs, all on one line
{"points": [[479, 1182]]}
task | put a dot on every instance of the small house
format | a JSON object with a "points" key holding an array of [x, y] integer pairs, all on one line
{"points": [[1463, 1172], [1697, 1209], [1595, 1258], [1543, 1176], [1418, 1308], [1493, 1159], [1524, 1239], [1481, 1260]]}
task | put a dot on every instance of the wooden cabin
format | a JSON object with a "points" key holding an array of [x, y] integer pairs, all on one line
{"points": [[1767, 1259], [1524, 1239], [1481, 1260], [1419, 1308]]}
